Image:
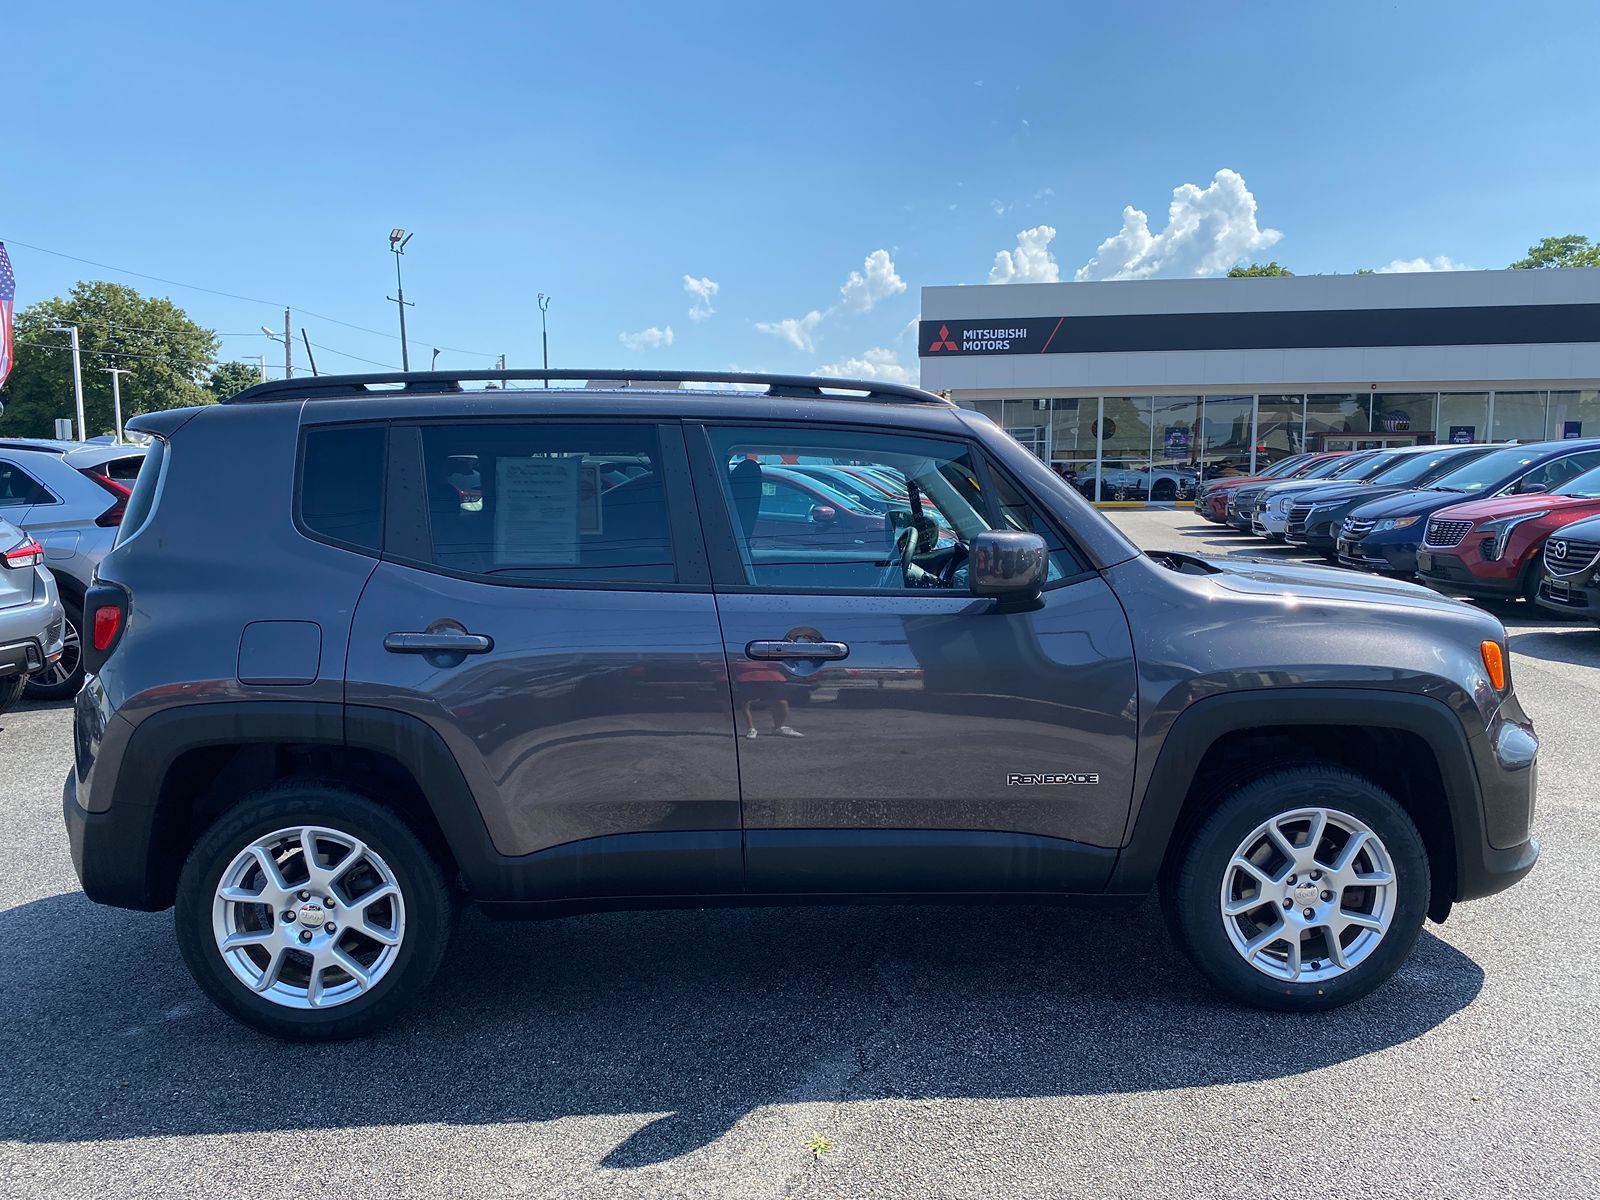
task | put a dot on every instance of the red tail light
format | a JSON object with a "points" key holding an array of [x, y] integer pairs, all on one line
{"points": [[107, 625], [26, 553], [112, 517]]}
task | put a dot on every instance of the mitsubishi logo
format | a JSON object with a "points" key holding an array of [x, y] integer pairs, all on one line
{"points": [[1558, 550], [942, 342]]}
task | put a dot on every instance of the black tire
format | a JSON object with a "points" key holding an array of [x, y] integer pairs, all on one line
{"points": [[429, 906], [1163, 490], [1192, 893], [11, 688], [69, 686]]}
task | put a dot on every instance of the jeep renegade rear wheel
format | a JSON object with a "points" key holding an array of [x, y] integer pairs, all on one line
{"points": [[1306, 889], [311, 913]]}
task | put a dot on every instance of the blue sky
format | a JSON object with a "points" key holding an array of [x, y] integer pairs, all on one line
{"points": [[603, 152]]}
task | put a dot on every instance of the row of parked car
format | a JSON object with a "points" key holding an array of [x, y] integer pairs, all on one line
{"points": [[61, 505], [1506, 521]]}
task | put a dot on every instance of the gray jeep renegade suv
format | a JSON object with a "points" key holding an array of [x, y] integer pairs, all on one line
{"points": [[560, 649]]}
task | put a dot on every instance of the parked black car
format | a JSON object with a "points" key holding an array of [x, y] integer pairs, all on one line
{"points": [[1571, 562]]}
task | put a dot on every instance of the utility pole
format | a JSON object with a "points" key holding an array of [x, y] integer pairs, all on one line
{"points": [[116, 374], [397, 243], [544, 336], [263, 359], [288, 347], [77, 377]]}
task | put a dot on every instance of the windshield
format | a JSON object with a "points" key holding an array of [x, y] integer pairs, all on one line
{"points": [[1346, 467], [1414, 468], [1378, 464], [1585, 486], [1324, 468], [1487, 471], [1284, 466]]}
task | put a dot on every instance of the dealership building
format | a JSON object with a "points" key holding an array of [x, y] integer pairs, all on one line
{"points": [[1138, 388]]}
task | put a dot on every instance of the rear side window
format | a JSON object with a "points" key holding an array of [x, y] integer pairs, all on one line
{"points": [[341, 485], [548, 502], [19, 489], [143, 500]]}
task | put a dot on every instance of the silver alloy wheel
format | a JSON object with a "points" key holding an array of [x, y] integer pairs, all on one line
{"points": [[1308, 895], [308, 917], [56, 673]]}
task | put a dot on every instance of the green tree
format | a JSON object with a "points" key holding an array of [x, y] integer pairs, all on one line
{"points": [[230, 378], [1573, 250], [1365, 271], [1255, 270], [167, 356]]}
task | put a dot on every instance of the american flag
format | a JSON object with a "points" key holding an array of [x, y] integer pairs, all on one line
{"points": [[8, 305]]}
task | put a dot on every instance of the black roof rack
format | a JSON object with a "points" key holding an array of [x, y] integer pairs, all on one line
{"points": [[415, 383]]}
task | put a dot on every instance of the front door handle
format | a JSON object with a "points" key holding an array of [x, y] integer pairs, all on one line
{"points": [[438, 642], [796, 650]]}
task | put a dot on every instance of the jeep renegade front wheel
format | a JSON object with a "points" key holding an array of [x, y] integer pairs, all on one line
{"points": [[1306, 889], [311, 913]]}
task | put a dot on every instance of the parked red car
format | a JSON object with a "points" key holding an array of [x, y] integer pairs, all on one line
{"points": [[1211, 500], [1489, 549]]}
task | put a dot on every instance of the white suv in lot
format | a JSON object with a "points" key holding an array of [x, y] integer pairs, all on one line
{"points": [[71, 497], [31, 619]]}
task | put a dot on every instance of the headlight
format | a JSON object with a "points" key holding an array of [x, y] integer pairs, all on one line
{"points": [[1499, 532], [1388, 523]]}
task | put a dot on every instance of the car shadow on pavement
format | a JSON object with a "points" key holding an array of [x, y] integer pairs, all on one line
{"points": [[701, 1016]]}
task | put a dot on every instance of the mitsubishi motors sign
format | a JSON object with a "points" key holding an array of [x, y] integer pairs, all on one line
{"points": [[1013, 335]]}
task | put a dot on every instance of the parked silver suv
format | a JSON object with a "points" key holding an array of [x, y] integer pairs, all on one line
{"points": [[71, 496], [550, 650], [31, 619]]}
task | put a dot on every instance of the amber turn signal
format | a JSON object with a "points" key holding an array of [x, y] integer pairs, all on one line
{"points": [[1494, 662]]}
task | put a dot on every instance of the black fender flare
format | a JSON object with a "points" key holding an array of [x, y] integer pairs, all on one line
{"points": [[1199, 726]]}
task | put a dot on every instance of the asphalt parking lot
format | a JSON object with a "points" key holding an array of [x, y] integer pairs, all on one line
{"points": [[1007, 1051]]}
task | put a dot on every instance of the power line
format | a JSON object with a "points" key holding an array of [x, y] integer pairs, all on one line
{"points": [[195, 287]]}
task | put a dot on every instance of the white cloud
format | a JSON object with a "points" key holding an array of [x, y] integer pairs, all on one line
{"points": [[1208, 230], [647, 339], [797, 331], [862, 291], [702, 289], [910, 329], [1030, 262], [1000, 208], [876, 363], [1439, 262]]}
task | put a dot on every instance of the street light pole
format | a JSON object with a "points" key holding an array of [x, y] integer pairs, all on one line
{"points": [[544, 335], [77, 377], [116, 374], [397, 243]]}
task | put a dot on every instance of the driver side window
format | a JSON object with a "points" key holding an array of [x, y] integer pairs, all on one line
{"points": [[839, 511]]}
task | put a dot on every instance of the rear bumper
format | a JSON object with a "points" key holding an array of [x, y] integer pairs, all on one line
{"points": [[111, 852]]}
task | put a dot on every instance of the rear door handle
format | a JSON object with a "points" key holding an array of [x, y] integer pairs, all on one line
{"points": [[438, 643], [796, 650]]}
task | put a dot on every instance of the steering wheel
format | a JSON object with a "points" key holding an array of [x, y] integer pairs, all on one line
{"points": [[897, 571]]}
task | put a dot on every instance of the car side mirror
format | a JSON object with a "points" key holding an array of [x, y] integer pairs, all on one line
{"points": [[1009, 565], [1532, 489], [823, 514]]}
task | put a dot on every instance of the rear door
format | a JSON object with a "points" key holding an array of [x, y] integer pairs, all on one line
{"points": [[932, 743], [554, 623]]}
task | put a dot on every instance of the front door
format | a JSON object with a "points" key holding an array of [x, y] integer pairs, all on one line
{"points": [[539, 605], [896, 733]]}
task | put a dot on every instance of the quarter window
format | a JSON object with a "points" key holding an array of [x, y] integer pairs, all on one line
{"points": [[341, 485], [548, 502], [18, 488]]}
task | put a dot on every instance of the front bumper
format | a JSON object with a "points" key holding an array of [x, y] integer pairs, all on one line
{"points": [[1493, 858], [1382, 557], [1448, 573], [1577, 600]]}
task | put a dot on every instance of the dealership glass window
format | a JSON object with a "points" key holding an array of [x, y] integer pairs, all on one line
{"points": [[1464, 417], [1279, 422], [1404, 412], [1518, 417], [1125, 441], [1574, 414], [1071, 436], [1174, 426], [1223, 445], [1341, 412], [1029, 422]]}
